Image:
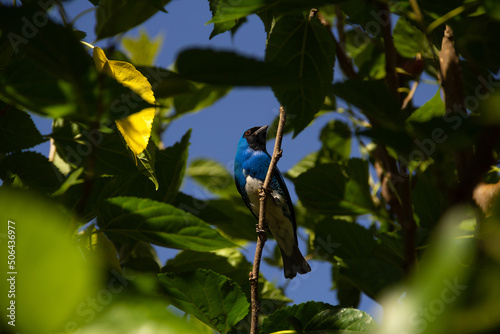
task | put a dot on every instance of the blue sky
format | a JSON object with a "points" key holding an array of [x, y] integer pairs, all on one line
{"points": [[217, 129]]}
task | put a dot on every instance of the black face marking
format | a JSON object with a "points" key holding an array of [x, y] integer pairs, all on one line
{"points": [[256, 137]]}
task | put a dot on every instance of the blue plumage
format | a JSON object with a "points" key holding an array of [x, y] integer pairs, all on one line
{"points": [[250, 169]]}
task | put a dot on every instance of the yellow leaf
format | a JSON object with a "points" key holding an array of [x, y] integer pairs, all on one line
{"points": [[135, 128]]}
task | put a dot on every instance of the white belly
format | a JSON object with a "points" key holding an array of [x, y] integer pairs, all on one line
{"points": [[280, 225]]}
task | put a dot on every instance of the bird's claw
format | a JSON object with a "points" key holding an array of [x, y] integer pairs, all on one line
{"points": [[259, 230]]}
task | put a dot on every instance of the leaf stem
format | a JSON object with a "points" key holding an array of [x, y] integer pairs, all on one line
{"points": [[261, 233]]}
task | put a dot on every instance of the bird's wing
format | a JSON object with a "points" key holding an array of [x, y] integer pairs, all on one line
{"points": [[244, 195], [278, 184]]}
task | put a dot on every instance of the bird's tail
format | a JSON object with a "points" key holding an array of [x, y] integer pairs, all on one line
{"points": [[295, 263]]}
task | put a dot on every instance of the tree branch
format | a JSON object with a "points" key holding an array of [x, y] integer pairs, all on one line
{"points": [[261, 233], [450, 75]]}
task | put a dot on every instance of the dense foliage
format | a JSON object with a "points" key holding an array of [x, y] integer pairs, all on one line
{"points": [[87, 215]]}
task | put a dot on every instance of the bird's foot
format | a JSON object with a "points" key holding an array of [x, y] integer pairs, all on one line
{"points": [[259, 230]]}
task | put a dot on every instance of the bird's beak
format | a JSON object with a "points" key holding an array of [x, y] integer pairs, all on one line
{"points": [[261, 129]]}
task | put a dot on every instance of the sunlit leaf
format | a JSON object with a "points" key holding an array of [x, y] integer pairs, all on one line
{"points": [[143, 50], [136, 128], [326, 189]]}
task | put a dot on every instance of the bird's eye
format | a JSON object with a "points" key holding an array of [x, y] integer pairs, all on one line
{"points": [[247, 132]]}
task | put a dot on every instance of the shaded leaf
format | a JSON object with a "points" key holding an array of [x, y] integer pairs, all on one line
{"points": [[326, 189], [204, 95], [166, 83], [307, 50], [170, 167], [17, 130], [32, 170], [345, 240], [158, 223], [117, 16], [371, 276], [229, 262], [229, 68], [230, 215], [210, 297], [373, 98], [58, 81], [336, 139]]}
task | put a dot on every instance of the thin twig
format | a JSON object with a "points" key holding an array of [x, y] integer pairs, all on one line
{"points": [[261, 233]]}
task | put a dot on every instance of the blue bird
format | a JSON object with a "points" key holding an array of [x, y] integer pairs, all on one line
{"points": [[250, 169]]}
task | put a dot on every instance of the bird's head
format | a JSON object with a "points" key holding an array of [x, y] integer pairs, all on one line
{"points": [[256, 137]]}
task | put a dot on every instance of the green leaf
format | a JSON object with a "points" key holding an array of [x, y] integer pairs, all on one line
{"points": [[117, 16], [341, 320], [307, 50], [373, 98], [431, 109], [317, 317], [221, 27], [229, 262], [32, 170], [158, 223], [43, 245], [17, 130], [303, 165], [229, 68], [230, 215], [227, 10], [293, 317], [210, 297], [170, 167], [212, 176], [408, 39], [326, 189], [147, 162], [142, 50]]}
